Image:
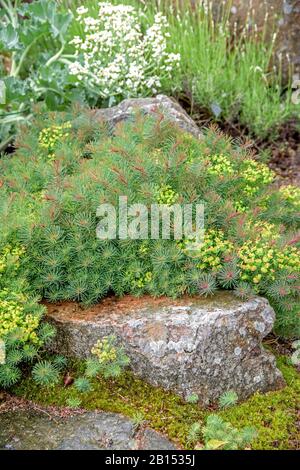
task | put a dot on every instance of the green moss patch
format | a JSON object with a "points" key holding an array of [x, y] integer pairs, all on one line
{"points": [[273, 414]]}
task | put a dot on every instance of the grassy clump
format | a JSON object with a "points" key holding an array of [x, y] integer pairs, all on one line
{"points": [[273, 415], [231, 74], [52, 187]]}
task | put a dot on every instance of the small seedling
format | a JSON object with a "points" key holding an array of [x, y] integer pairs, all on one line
{"points": [[228, 399], [73, 402], [194, 433], [192, 398], [138, 419]]}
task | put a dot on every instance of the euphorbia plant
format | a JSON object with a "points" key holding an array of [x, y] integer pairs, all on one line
{"points": [[66, 164]]}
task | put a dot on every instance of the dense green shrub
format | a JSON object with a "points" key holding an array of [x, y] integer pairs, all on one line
{"points": [[51, 188]]}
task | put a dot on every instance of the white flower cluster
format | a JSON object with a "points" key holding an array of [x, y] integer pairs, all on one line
{"points": [[114, 58]]}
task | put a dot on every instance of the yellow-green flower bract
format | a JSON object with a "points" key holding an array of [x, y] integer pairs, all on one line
{"points": [[142, 280], [291, 194], [12, 314], [105, 351], [258, 259], [166, 195], [49, 136], [12, 317], [212, 250], [220, 165], [255, 175]]}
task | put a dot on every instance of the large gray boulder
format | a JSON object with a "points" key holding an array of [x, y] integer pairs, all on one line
{"points": [[160, 104], [37, 430], [191, 345]]}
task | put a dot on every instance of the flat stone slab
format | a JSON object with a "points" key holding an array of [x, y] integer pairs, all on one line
{"points": [[190, 345], [32, 430]]}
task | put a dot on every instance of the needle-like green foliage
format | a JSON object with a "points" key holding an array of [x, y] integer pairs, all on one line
{"points": [[50, 193]]}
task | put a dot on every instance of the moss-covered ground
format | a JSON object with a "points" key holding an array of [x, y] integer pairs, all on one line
{"points": [[275, 415]]}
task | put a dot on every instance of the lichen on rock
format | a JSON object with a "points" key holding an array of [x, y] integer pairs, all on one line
{"points": [[191, 345]]}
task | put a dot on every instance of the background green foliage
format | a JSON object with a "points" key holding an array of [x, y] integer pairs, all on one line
{"points": [[50, 194], [231, 76], [32, 41]]}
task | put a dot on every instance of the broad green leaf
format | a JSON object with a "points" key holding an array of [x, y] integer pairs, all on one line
{"points": [[43, 10], [32, 32], [53, 100], [9, 39], [60, 23], [16, 89]]}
